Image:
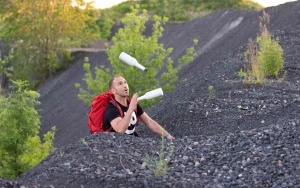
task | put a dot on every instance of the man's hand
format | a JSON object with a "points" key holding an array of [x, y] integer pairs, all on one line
{"points": [[169, 137], [133, 102]]}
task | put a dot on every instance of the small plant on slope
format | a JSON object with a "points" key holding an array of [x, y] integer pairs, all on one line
{"points": [[159, 166], [264, 57]]}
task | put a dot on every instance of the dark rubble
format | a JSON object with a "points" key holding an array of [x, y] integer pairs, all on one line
{"points": [[264, 157], [247, 136]]}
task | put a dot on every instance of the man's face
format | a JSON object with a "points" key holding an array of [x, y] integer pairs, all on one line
{"points": [[120, 87]]}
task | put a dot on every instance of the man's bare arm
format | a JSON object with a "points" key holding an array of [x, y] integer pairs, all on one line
{"points": [[155, 127], [121, 124]]}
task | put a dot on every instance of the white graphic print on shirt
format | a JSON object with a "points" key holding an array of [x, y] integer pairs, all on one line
{"points": [[131, 126]]}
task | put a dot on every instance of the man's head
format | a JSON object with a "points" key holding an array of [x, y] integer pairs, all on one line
{"points": [[118, 85]]}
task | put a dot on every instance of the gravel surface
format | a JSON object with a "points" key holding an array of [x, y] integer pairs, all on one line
{"points": [[264, 157], [246, 136]]}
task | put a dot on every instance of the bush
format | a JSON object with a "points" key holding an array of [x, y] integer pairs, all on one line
{"points": [[253, 72], [264, 57], [21, 147], [270, 55]]}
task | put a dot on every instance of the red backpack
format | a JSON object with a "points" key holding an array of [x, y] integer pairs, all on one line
{"points": [[96, 114]]}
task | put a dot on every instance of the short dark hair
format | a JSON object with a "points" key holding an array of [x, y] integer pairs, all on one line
{"points": [[110, 83]]}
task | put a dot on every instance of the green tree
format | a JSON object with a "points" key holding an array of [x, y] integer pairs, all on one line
{"points": [[42, 31], [161, 69], [4, 68], [21, 147]]}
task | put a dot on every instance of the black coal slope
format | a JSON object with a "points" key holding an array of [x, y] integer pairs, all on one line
{"points": [[245, 136]]}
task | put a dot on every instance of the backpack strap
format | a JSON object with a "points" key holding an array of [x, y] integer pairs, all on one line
{"points": [[114, 102]]}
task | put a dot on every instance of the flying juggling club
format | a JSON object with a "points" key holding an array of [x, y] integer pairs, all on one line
{"points": [[152, 94], [131, 61]]}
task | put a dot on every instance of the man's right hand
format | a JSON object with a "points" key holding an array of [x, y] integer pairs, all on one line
{"points": [[133, 102]]}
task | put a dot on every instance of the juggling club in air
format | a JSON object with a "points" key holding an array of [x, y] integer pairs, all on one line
{"points": [[151, 94], [131, 61]]}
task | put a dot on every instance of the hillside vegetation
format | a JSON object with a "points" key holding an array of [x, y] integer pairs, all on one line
{"points": [[241, 136], [175, 10], [228, 133]]}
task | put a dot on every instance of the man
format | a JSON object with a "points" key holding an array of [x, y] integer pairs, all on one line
{"points": [[132, 111]]}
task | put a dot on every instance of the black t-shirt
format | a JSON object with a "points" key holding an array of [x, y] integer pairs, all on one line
{"points": [[112, 112]]}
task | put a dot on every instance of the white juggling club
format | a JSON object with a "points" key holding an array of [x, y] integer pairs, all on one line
{"points": [[152, 94], [130, 61]]}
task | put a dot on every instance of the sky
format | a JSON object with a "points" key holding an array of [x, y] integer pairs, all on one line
{"points": [[105, 3], [269, 3], [108, 3]]}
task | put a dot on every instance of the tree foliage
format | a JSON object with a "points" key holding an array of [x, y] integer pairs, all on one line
{"points": [[21, 147], [42, 30], [131, 39]]}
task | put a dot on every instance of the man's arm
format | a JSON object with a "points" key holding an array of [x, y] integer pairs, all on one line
{"points": [[121, 124], [154, 126]]}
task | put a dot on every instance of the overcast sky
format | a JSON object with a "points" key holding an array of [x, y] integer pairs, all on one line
{"points": [[109, 3], [268, 3]]}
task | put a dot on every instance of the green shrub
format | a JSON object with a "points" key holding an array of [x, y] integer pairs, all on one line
{"points": [[264, 57], [21, 147], [253, 73], [270, 55]]}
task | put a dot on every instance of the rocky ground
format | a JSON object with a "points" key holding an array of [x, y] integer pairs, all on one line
{"points": [[245, 136]]}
